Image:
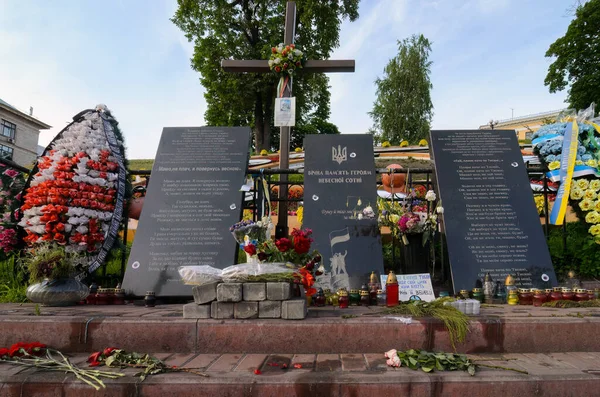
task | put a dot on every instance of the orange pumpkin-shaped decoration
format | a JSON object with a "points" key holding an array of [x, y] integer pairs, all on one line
{"points": [[399, 180]]}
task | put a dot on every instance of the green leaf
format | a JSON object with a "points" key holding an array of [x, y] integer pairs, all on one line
{"points": [[109, 361], [471, 370], [413, 361], [427, 369]]}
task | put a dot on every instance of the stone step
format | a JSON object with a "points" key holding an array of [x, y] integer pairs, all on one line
{"points": [[553, 374], [500, 329]]}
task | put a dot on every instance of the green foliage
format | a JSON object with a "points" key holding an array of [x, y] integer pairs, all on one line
{"points": [[240, 29], [582, 254], [456, 323], [49, 261], [388, 262], [140, 164], [12, 285], [403, 108], [577, 59], [570, 304], [430, 361]]}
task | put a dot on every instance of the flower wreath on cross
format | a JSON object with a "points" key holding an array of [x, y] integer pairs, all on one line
{"points": [[285, 60]]}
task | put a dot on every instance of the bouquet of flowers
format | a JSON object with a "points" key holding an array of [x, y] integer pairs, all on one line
{"points": [[247, 231], [11, 184], [285, 60]]}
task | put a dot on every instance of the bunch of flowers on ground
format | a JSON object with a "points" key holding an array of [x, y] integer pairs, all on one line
{"points": [[72, 196], [38, 355]]}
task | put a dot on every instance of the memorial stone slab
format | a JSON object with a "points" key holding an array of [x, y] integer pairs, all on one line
{"points": [[193, 198], [340, 206], [490, 219]]}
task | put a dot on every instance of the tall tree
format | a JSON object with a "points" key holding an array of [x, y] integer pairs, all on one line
{"points": [[403, 108], [247, 29], [577, 60]]}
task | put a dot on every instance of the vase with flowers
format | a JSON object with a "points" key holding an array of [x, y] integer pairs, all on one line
{"points": [[52, 269]]}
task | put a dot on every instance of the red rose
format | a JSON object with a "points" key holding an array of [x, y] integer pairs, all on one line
{"points": [[283, 244], [277, 69], [310, 266], [94, 363], [301, 244], [250, 249], [108, 351], [274, 50], [93, 358], [285, 65], [4, 352], [298, 63], [262, 256]]}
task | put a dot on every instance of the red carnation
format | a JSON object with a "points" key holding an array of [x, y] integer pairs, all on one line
{"points": [[301, 244], [4, 352], [262, 256], [250, 249], [283, 244]]}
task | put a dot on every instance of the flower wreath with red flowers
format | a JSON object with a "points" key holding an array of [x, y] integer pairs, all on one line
{"points": [[73, 193], [285, 60]]}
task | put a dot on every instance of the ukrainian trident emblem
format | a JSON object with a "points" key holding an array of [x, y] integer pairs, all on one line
{"points": [[340, 154]]}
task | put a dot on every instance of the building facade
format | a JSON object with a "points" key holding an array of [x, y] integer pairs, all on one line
{"points": [[19, 133], [525, 126]]}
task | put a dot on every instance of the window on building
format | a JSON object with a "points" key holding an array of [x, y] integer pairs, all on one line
{"points": [[6, 152], [8, 129]]}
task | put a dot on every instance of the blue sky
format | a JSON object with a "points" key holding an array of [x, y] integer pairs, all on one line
{"points": [[65, 56]]}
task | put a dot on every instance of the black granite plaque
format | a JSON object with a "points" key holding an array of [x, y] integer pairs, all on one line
{"points": [[339, 189], [192, 200], [490, 218]]}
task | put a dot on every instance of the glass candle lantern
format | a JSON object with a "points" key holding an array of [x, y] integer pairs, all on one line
{"points": [[596, 293], [556, 294], [328, 296], [150, 299], [392, 293], [335, 299], [119, 298], [320, 298], [354, 297], [344, 300], [102, 296], [567, 294], [580, 295], [381, 301], [539, 298], [477, 294], [590, 294], [513, 298], [525, 297], [464, 294], [365, 298]]}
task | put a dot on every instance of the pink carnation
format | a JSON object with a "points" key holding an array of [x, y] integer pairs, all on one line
{"points": [[10, 172]]}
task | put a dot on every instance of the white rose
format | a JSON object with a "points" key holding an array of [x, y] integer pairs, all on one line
{"points": [[276, 61], [430, 196], [270, 62], [297, 52], [440, 210]]}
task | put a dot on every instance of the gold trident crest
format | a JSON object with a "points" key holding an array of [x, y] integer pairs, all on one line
{"points": [[339, 154]]}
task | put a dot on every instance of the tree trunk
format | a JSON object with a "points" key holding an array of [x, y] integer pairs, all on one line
{"points": [[259, 124]]}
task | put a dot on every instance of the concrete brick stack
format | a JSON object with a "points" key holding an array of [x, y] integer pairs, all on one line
{"points": [[245, 301]]}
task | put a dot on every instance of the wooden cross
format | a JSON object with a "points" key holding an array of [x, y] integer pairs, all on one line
{"points": [[262, 66]]}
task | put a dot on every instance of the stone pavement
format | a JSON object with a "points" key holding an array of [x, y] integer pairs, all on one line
{"points": [[554, 374], [499, 329]]}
